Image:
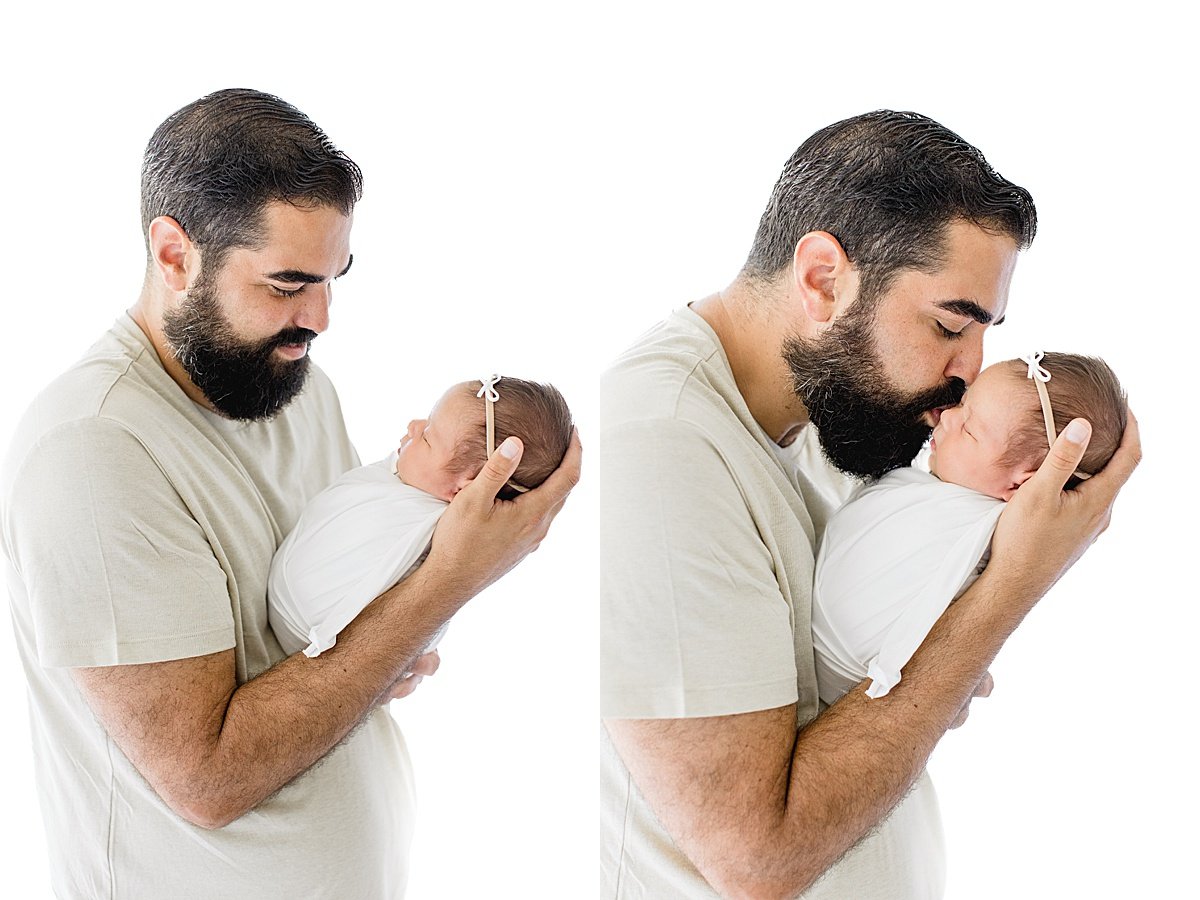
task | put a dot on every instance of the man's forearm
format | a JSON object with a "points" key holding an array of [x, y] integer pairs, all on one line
{"points": [[279, 724], [763, 810], [858, 759], [213, 750]]}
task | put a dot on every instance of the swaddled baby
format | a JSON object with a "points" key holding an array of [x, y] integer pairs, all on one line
{"points": [[901, 549], [371, 527]]}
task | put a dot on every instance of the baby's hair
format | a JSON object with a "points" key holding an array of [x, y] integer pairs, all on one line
{"points": [[536, 413], [1080, 387]]}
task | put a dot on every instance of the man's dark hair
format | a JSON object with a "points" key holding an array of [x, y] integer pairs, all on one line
{"points": [[886, 185], [537, 414], [215, 164]]}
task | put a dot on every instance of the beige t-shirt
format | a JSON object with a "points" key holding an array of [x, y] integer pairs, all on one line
{"points": [[708, 536], [139, 527]]}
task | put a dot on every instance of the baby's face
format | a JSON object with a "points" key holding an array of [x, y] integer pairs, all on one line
{"points": [[970, 439], [425, 452]]}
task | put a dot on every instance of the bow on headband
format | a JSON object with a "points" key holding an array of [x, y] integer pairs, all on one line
{"points": [[489, 391], [1034, 361]]}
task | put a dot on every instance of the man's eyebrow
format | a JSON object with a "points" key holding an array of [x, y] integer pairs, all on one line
{"points": [[296, 276], [970, 309]]}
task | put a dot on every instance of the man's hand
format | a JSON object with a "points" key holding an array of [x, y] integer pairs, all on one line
{"points": [[426, 665], [1044, 530], [479, 538], [983, 689]]}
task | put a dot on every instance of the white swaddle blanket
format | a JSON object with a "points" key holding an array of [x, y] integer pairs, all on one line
{"points": [[891, 560], [356, 539]]}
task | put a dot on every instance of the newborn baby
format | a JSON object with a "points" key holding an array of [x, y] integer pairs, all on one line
{"points": [[373, 526], [901, 549]]}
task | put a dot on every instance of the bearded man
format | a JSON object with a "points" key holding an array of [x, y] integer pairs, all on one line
{"points": [[142, 499], [885, 252]]}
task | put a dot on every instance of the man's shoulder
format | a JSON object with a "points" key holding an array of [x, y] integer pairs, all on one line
{"points": [[676, 370], [111, 364], [120, 388], [108, 379]]}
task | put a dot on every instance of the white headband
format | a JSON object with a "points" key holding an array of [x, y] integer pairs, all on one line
{"points": [[1039, 376], [491, 397]]}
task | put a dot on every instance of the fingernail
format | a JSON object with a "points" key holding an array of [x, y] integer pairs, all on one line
{"points": [[509, 448], [1076, 432]]}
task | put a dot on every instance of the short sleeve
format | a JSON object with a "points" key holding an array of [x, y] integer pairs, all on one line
{"points": [[692, 619], [116, 569]]}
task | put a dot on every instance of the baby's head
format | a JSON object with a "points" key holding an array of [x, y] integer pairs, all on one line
{"points": [[441, 454], [996, 438]]}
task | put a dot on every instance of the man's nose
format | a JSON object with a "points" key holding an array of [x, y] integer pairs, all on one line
{"points": [[313, 313], [967, 359]]}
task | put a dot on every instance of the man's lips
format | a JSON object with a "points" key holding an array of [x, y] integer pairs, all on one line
{"points": [[293, 351]]}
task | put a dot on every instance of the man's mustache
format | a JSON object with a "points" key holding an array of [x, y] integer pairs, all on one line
{"points": [[948, 394], [290, 336]]}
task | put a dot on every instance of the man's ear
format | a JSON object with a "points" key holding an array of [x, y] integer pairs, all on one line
{"points": [[822, 276], [172, 253]]}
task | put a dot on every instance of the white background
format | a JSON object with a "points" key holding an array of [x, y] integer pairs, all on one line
{"points": [[543, 182]]}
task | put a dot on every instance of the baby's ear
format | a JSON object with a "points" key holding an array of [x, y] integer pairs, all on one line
{"points": [[1018, 479], [462, 481]]}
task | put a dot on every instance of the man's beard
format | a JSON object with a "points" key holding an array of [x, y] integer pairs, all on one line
{"points": [[866, 427], [241, 380]]}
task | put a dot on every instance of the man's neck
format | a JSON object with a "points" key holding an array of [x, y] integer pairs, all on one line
{"points": [[751, 323], [147, 313]]}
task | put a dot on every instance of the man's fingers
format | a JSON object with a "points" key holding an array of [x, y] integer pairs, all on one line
{"points": [[426, 664], [405, 686], [1125, 460], [983, 689], [547, 498], [497, 470], [985, 686], [1063, 458], [553, 491]]}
